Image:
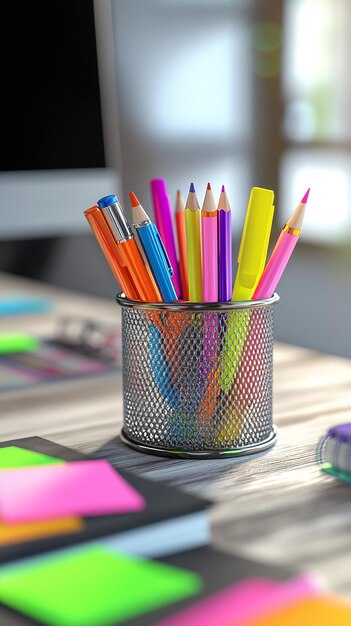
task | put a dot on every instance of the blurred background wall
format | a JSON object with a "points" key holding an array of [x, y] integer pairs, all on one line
{"points": [[103, 97]]}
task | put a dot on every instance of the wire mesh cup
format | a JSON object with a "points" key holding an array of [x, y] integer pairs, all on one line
{"points": [[197, 378]]}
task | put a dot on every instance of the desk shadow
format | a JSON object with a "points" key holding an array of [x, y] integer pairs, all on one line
{"points": [[193, 476]]}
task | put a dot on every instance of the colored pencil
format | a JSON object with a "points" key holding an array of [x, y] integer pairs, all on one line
{"points": [[193, 245], [209, 236], [282, 252], [181, 236], [225, 271], [251, 260]]}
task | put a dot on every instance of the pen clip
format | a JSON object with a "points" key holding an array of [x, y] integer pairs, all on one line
{"points": [[168, 262]]}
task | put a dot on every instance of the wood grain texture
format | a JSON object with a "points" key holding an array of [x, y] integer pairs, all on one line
{"points": [[275, 507]]}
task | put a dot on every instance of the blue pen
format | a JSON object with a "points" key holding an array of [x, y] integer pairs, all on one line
{"points": [[160, 369], [154, 250]]}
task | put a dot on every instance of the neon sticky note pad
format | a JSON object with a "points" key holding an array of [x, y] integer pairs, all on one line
{"points": [[242, 602], [17, 342], [91, 586], [219, 608], [79, 488], [12, 457], [319, 611], [21, 305], [19, 533]]}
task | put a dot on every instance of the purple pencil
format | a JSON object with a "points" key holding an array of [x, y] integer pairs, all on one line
{"points": [[163, 218], [225, 281]]}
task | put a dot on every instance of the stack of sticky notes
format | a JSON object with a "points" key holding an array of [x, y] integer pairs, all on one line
{"points": [[74, 533], [52, 497], [42, 496], [11, 533]]}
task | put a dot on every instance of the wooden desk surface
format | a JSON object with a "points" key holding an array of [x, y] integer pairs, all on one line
{"points": [[276, 506]]}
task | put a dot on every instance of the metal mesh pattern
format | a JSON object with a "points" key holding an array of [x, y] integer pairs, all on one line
{"points": [[198, 381]]}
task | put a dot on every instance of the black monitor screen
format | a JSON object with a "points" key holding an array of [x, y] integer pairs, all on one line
{"points": [[50, 102]]}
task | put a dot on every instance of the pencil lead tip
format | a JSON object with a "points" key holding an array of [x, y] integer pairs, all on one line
{"points": [[134, 200], [192, 188], [223, 189], [178, 194], [305, 198], [209, 186]]}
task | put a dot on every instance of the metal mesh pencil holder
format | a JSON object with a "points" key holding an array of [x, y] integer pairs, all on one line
{"points": [[197, 378]]}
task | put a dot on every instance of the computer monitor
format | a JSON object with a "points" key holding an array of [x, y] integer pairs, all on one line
{"points": [[59, 145]]}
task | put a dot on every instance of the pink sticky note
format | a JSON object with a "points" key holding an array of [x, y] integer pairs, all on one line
{"points": [[240, 603], [83, 488]]}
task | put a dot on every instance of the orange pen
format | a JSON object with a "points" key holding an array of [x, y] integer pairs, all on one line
{"points": [[110, 248], [181, 235], [128, 249]]}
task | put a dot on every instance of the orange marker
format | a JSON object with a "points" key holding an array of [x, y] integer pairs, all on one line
{"points": [[129, 251], [110, 248], [181, 234]]}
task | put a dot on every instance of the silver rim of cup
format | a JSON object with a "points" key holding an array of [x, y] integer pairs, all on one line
{"points": [[196, 306]]}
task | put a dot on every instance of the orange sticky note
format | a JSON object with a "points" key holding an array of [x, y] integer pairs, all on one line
{"points": [[19, 533], [320, 610]]}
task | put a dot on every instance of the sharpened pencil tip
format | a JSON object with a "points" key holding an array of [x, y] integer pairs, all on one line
{"points": [[305, 198], [134, 200], [192, 188], [178, 194], [208, 186], [223, 189]]}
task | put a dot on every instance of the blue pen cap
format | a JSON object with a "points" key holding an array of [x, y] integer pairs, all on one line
{"points": [[107, 201]]}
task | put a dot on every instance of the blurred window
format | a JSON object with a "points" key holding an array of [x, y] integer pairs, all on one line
{"points": [[183, 71], [317, 119]]}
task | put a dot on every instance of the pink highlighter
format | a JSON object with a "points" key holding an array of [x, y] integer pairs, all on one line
{"points": [[282, 252], [163, 218]]}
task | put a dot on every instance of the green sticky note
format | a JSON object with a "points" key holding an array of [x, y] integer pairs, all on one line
{"points": [[12, 457], [91, 586], [18, 342]]}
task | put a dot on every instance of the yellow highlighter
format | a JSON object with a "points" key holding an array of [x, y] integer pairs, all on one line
{"points": [[251, 259], [254, 243], [193, 245]]}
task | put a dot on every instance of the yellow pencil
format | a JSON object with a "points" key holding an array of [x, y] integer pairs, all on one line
{"points": [[193, 245]]}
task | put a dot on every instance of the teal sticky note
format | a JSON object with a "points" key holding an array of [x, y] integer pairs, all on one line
{"points": [[92, 586], [13, 457]]}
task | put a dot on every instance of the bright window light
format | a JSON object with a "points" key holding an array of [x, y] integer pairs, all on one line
{"points": [[316, 76], [328, 213], [184, 79], [309, 27], [201, 91]]}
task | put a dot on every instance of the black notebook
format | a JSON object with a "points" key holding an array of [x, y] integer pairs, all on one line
{"points": [[172, 521]]}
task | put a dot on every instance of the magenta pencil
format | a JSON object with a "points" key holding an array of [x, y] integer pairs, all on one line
{"points": [[282, 252], [209, 248], [225, 280], [163, 218]]}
